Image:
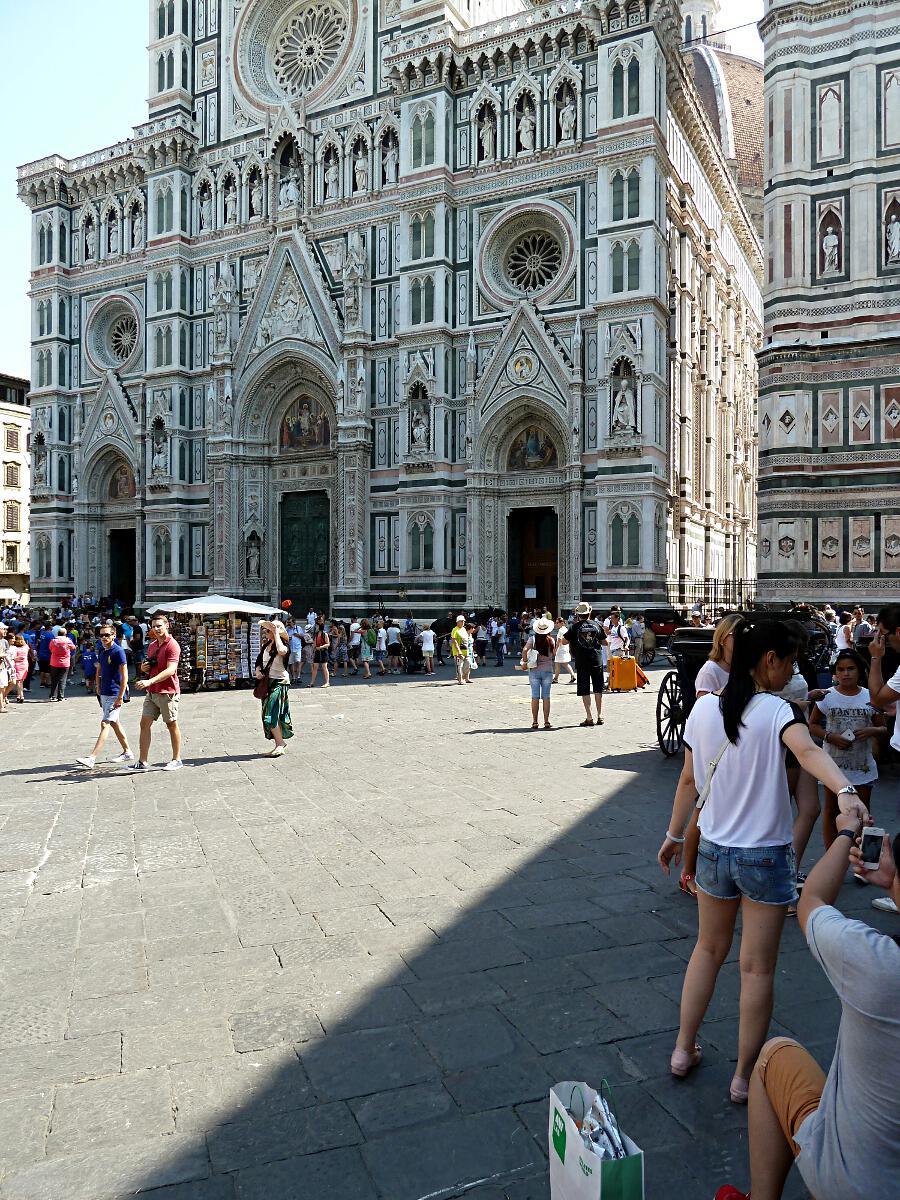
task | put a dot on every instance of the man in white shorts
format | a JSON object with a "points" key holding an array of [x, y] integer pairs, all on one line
{"points": [[111, 685], [295, 641]]}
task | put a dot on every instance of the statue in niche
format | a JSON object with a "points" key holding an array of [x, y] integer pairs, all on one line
{"points": [[283, 192], [231, 204], [356, 252], [831, 249], [137, 229], [624, 412], [361, 171], [391, 161], [159, 464], [205, 211], [487, 135], [40, 467], [360, 391], [253, 556], [90, 241], [264, 332], [332, 177], [113, 226], [892, 233], [526, 127], [419, 429], [567, 118], [256, 197]]}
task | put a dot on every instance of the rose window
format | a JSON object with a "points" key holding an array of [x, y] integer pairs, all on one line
{"points": [[308, 47], [123, 337], [533, 261]]}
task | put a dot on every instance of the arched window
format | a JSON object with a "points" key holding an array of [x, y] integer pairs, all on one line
{"points": [[634, 267], [185, 210], [415, 302], [63, 243], [618, 197], [183, 346], [62, 374], [62, 484], [634, 193], [182, 555], [634, 87], [688, 29], [415, 237], [183, 409], [704, 26], [163, 291], [618, 91], [167, 343], [617, 542], [170, 70], [421, 545], [423, 139], [63, 426], [633, 541], [618, 268], [161, 19], [183, 461], [185, 16], [161, 73], [61, 561], [625, 540], [428, 301], [42, 557], [184, 70], [42, 245], [428, 235], [63, 320], [162, 553]]}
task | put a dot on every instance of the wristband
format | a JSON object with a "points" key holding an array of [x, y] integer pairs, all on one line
{"points": [[848, 834], [673, 838]]}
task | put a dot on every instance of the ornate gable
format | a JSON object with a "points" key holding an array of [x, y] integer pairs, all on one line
{"points": [[525, 357], [290, 302], [112, 421]]}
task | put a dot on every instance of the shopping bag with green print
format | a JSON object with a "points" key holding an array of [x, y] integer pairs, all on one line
{"points": [[578, 1172]]}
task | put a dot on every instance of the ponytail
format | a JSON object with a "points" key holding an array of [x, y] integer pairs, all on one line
{"points": [[752, 641]]}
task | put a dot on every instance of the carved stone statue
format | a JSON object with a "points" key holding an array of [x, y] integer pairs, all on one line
{"points": [[831, 246], [419, 429], [526, 129], [332, 178], [361, 171], [293, 187], [391, 162], [283, 192], [159, 464], [624, 415], [39, 478], [256, 197], [487, 136], [567, 119], [893, 240], [113, 234], [253, 557], [205, 212], [360, 391], [231, 205], [137, 229], [90, 240]]}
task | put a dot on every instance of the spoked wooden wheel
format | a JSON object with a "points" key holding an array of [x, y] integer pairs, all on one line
{"points": [[670, 715]]}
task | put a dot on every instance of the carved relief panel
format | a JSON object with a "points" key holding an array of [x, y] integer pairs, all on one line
{"points": [[831, 545]]}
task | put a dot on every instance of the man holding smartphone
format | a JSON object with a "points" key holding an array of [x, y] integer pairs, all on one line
{"points": [[843, 1130], [883, 694]]}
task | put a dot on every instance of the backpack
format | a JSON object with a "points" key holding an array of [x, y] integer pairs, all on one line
{"points": [[589, 635], [371, 637]]}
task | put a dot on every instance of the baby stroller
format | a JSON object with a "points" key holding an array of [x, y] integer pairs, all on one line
{"points": [[413, 659]]}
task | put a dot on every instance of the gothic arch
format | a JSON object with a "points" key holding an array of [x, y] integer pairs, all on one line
{"points": [[98, 472], [272, 381], [521, 409]]}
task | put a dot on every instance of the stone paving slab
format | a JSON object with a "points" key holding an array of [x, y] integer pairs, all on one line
{"points": [[356, 970]]}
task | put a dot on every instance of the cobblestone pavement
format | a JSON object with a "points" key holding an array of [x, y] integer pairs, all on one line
{"points": [[353, 972]]}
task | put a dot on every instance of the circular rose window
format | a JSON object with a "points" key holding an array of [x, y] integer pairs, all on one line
{"points": [[527, 253], [123, 337], [308, 47], [533, 261]]}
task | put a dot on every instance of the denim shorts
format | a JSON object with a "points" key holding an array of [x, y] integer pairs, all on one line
{"points": [[765, 874], [540, 684]]}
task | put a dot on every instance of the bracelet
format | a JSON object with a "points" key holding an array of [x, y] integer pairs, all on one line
{"points": [[673, 838], [848, 834]]}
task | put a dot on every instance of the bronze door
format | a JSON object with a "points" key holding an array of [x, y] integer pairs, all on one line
{"points": [[305, 528]]}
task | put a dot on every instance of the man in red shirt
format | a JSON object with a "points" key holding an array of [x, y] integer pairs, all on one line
{"points": [[161, 688]]}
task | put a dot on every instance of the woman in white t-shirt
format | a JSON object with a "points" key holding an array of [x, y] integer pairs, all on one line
{"points": [[711, 677], [563, 656], [426, 641], [847, 723], [844, 636], [736, 743]]}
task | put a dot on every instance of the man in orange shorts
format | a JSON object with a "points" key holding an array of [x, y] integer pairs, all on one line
{"points": [[842, 1130]]}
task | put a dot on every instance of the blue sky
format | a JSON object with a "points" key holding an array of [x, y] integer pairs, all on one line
{"points": [[74, 80]]}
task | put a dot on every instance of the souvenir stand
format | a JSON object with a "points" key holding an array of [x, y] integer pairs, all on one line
{"points": [[219, 638]]}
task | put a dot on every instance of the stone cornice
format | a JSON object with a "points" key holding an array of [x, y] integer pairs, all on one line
{"points": [[815, 12]]}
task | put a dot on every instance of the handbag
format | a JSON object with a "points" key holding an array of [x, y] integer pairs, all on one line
{"points": [[704, 794], [262, 685], [532, 659]]}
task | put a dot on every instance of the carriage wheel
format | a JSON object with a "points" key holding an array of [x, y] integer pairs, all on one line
{"points": [[648, 658], [670, 715]]}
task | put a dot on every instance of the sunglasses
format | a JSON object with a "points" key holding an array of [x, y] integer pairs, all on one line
{"points": [[104, 636]]}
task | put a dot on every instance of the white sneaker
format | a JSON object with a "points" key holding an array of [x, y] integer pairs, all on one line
{"points": [[88, 761], [884, 904], [125, 756], [277, 752], [175, 765]]}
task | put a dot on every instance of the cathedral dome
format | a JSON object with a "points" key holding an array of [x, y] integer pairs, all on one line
{"points": [[730, 88]]}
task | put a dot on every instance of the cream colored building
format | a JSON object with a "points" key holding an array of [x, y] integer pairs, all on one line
{"points": [[15, 485]]}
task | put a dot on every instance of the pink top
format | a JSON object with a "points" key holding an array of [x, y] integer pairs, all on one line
{"points": [[61, 651], [18, 656], [159, 656]]}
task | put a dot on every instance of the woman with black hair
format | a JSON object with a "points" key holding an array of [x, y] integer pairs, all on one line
{"points": [[734, 773]]}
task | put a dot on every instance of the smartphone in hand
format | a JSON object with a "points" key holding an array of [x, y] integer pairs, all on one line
{"points": [[870, 847]]}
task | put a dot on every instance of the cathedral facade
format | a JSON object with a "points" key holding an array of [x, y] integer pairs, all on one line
{"points": [[415, 302], [829, 414]]}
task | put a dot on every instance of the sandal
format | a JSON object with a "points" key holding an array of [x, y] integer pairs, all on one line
{"points": [[547, 725], [587, 722], [535, 725], [599, 721], [688, 885], [739, 1090], [684, 1061]]}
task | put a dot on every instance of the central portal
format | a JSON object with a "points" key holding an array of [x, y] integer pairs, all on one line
{"points": [[305, 551], [533, 559], [122, 566]]}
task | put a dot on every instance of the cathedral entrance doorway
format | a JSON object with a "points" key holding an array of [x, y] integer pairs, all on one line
{"points": [[533, 558], [305, 546], [123, 566]]}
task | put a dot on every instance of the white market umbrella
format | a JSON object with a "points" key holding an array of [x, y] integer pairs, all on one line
{"points": [[204, 606]]}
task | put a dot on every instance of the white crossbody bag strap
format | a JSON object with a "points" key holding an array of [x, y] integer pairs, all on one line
{"points": [[704, 795]]}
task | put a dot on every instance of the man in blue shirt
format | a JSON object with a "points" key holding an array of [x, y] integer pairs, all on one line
{"points": [[89, 664], [112, 683], [43, 653]]}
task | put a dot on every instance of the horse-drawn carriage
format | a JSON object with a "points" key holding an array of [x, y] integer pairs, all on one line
{"points": [[688, 649]]}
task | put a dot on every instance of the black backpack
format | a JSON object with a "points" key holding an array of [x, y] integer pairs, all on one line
{"points": [[589, 635]]}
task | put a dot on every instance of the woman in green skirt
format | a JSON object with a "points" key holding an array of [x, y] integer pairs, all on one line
{"points": [[271, 664]]}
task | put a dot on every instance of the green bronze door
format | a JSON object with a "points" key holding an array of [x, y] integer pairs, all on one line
{"points": [[305, 552]]}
